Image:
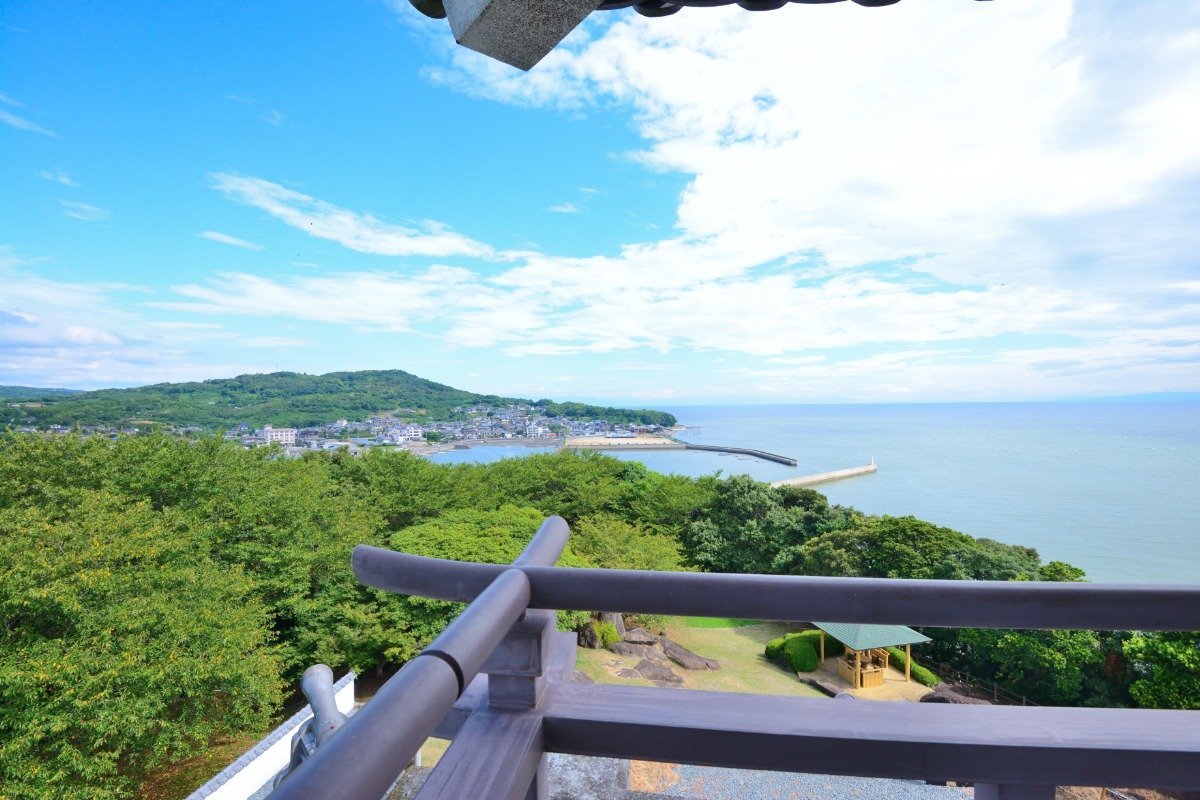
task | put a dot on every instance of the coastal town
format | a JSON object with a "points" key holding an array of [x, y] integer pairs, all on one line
{"points": [[476, 424]]}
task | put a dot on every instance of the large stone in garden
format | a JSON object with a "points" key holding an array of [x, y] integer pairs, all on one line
{"points": [[640, 636], [658, 673], [588, 637], [684, 657], [636, 650], [941, 695]]}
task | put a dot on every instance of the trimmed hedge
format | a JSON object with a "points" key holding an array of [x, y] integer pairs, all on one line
{"points": [[919, 673], [800, 654], [607, 633], [776, 648]]}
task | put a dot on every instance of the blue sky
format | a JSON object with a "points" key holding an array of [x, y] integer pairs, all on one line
{"points": [[940, 200]]}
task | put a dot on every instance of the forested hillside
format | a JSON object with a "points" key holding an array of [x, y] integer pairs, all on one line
{"points": [[23, 393], [159, 593], [281, 399]]}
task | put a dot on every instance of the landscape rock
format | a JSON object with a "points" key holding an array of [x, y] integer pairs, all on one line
{"points": [[658, 673], [638, 650], [684, 657], [950, 696], [581, 677], [640, 636], [589, 638], [616, 620]]}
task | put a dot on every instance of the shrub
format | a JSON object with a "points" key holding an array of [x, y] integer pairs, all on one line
{"points": [[776, 649], [800, 654], [607, 633], [919, 673]]}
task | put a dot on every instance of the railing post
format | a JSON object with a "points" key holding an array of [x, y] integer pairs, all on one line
{"points": [[516, 668], [1013, 791]]}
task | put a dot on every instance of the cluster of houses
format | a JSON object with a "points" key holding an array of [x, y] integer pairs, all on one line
{"points": [[477, 423]]}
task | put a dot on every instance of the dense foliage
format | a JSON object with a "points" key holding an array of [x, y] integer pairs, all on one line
{"points": [[622, 416], [9, 394], [281, 399], [157, 592]]}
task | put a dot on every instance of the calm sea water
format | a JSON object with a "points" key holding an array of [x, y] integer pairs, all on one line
{"points": [[1113, 488]]}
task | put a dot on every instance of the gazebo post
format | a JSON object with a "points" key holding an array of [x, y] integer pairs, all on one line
{"points": [[907, 663], [857, 669], [822, 647]]}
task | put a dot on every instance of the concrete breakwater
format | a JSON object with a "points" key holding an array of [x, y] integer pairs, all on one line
{"points": [[745, 451], [828, 477], [667, 443]]}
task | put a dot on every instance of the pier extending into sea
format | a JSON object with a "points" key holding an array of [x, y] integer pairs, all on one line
{"points": [[668, 443], [745, 451], [828, 477]]}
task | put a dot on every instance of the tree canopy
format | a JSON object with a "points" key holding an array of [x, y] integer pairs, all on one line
{"points": [[158, 592]]}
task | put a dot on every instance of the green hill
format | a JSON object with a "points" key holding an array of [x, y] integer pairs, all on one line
{"points": [[11, 394], [282, 399]]}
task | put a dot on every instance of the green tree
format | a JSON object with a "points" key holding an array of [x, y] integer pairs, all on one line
{"points": [[490, 537], [123, 647], [612, 543], [751, 527], [1168, 665]]}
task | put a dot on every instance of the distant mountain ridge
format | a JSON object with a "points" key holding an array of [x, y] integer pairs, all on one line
{"points": [[11, 393], [290, 399]]}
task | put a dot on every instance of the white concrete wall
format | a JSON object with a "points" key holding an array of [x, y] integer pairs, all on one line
{"points": [[258, 765]]}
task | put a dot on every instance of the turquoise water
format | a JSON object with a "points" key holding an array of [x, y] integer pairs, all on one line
{"points": [[1113, 488]]}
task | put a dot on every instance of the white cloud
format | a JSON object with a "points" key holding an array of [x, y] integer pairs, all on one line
{"points": [[357, 231], [57, 176], [74, 333], [566, 208], [224, 238], [273, 116], [928, 128], [993, 200], [22, 124], [276, 342], [85, 212]]}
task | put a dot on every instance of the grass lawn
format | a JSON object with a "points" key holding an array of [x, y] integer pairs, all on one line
{"points": [[716, 622], [737, 647]]}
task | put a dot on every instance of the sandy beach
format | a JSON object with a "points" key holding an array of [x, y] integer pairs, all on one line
{"points": [[636, 443]]}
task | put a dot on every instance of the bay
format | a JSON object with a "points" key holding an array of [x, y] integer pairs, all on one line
{"points": [[1113, 488]]}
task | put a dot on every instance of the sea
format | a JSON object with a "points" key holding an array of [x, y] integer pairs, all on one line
{"points": [[1111, 487]]}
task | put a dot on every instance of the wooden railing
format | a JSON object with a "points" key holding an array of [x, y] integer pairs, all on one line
{"points": [[503, 722]]}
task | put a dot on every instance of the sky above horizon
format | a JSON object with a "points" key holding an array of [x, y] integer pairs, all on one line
{"points": [[939, 200]]}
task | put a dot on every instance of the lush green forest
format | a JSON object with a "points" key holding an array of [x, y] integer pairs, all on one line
{"points": [[158, 593], [282, 399], [21, 393]]}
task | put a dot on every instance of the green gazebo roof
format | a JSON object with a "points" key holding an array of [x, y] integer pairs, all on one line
{"points": [[867, 637]]}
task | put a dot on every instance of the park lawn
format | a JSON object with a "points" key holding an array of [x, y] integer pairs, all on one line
{"points": [[738, 649], [715, 622]]}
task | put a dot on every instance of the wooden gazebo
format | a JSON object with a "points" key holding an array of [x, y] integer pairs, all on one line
{"points": [[865, 661]]}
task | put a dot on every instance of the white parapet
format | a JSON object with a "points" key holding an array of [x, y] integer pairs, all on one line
{"points": [[517, 32], [253, 771]]}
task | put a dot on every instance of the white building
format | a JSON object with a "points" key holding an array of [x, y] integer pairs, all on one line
{"points": [[285, 436]]}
